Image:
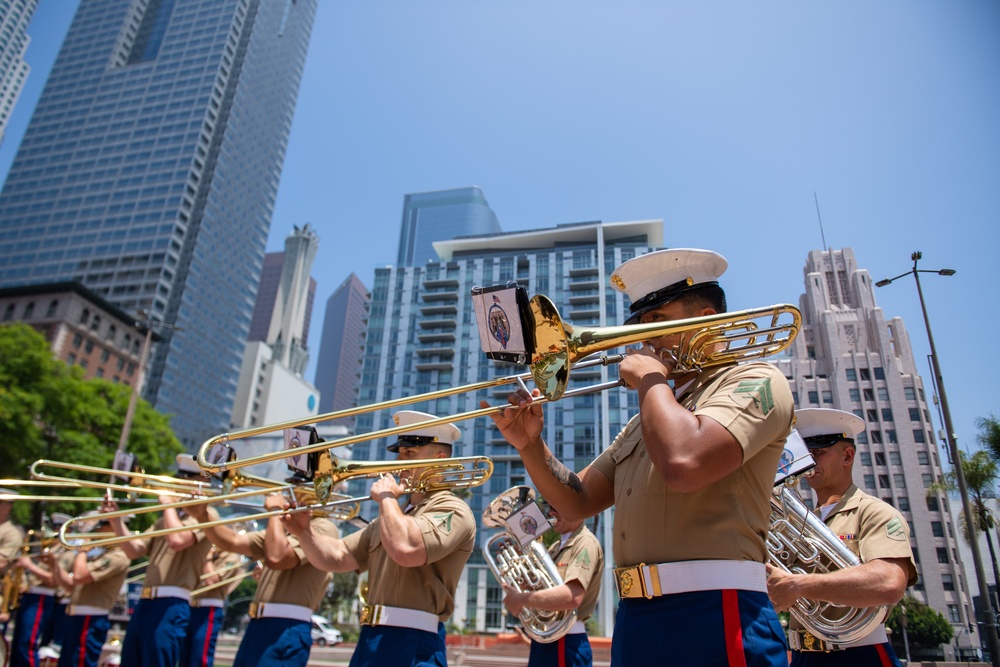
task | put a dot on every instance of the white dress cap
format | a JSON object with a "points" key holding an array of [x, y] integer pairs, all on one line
{"points": [[59, 518], [444, 434], [811, 422], [678, 268]]}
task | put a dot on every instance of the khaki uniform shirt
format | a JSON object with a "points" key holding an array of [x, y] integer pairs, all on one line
{"points": [[304, 585], [11, 538], [449, 533], [581, 559], [728, 519], [167, 567], [226, 564], [108, 570]]}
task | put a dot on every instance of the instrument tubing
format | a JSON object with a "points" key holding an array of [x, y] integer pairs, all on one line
{"points": [[804, 642], [153, 592], [279, 610], [399, 617], [649, 581]]}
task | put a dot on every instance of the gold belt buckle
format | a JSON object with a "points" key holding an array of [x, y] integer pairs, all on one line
{"points": [[147, 593], [255, 609], [809, 643], [629, 580], [370, 614]]}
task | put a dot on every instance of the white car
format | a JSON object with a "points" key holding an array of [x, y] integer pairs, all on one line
{"points": [[324, 634]]}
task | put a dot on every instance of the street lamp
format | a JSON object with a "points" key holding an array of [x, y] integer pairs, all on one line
{"points": [[991, 634]]}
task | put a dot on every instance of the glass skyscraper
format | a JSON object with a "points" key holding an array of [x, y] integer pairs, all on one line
{"points": [[422, 337], [15, 15], [441, 215], [149, 173]]}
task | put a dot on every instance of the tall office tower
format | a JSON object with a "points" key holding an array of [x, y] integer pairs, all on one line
{"points": [[439, 216], [267, 294], [271, 387], [422, 337], [338, 367], [849, 357], [15, 15], [149, 172]]}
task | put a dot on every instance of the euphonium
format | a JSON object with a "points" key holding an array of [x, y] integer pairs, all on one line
{"points": [[799, 543], [526, 568]]}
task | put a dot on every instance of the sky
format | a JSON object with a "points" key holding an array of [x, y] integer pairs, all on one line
{"points": [[728, 120]]}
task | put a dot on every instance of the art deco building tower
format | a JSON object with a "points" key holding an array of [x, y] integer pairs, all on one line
{"points": [[149, 173]]}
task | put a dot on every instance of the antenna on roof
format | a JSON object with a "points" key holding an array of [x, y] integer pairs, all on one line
{"points": [[821, 234]]}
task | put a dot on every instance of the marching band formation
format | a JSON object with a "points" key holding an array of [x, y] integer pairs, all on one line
{"points": [[710, 540]]}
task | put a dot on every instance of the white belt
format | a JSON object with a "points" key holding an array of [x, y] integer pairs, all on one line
{"points": [[278, 610], [151, 592], [577, 629], [650, 581], [803, 641], [208, 602], [41, 590], [85, 610], [399, 617]]}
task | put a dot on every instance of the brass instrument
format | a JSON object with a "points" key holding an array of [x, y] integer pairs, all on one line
{"points": [[13, 584], [799, 542], [524, 567], [705, 341], [139, 482], [64, 485]]}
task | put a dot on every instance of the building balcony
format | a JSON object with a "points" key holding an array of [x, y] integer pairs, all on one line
{"points": [[436, 337], [435, 297], [584, 283], [581, 271], [441, 283], [438, 323], [444, 352], [581, 298], [439, 309], [434, 365], [583, 313]]}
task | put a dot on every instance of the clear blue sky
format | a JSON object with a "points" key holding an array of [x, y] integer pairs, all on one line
{"points": [[722, 118]]}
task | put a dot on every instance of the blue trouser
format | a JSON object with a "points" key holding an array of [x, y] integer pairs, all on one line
{"points": [[84, 638], [567, 651], [275, 642], [203, 632], [31, 620], [709, 628], [388, 646], [53, 633], [877, 655], [155, 633]]}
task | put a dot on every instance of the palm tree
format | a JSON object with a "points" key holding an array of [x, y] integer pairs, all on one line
{"points": [[989, 435], [981, 473]]}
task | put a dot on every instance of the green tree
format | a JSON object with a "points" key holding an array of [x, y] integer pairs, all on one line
{"points": [[989, 435], [926, 628], [47, 410], [343, 588]]}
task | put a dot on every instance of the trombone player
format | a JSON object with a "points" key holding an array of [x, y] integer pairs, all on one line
{"points": [[871, 528], [690, 477], [414, 556], [155, 633], [580, 560], [11, 538]]}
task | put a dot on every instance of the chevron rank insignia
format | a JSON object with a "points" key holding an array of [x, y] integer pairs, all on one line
{"points": [[894, 530], [443, 521], [583, 559], [759, 391]]}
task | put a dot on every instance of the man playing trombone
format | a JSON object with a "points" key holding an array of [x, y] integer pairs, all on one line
{"points": [[155, 633], [690, 477], [414, 557], [288, 593]]}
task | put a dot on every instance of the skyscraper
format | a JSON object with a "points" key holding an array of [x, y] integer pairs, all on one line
{"points": [[15, 15], [149, 172], [422, 337], [267, 294], [849, 357], [338, 366], [439, 216]]}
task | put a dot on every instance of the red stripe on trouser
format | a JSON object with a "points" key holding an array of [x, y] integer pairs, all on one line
{"points": [[733, 628], [208, 637], [39, 610], [83, 642], [561, 650], [883, 656]]}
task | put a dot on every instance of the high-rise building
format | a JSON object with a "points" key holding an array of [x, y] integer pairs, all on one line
{"points": [[267, 294], [849, 357], [15, 15], [338, 366], [149, 172], [271, 387], [439, 216], [422, 337]]}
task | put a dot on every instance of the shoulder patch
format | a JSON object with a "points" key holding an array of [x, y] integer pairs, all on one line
{"points": [[894, 530], [443, 522], [583, 559], [759, 391]]}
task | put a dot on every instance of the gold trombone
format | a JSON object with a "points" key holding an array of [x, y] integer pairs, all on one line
{"points": [[707, 341], [139, 482], [66, 484]]}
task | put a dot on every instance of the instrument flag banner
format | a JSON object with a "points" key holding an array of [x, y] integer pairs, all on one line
{"points": [[500, 317], [795, 459], [527, 523], [297, 437]]}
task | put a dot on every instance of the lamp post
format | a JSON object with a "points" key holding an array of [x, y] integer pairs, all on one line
{"points": [[991, 633]]}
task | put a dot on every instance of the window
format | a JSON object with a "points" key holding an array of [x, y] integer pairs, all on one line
{"points": [[899, 481], [895, 459], [877, 437], [883, 394], [942, 554], [879, 373], [910, 393], [891, 434], [927, 479], [71, 359], [953, 615], [932, 504], [852, 375], [89, 347], [865, 375], [879, 459], [53, 306], [922, 457], [887, 414], [918, 436], [827, 396], [814, 398], [869, 396], [861, 438], [77, 340], [914, 414], [872, 416], [8, 313], [869, 481], [947, 583], [866, 458], [855, 394], [904, 503], [105, 355], [883, 481]]}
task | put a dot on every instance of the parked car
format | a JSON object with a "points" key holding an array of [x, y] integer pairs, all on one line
{"points": [[324, 634]]}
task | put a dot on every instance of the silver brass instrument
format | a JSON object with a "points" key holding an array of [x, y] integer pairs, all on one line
{"points": [[799, 542], [524, 567]]}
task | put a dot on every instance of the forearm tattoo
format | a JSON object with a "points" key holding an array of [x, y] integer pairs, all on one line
{"points": [[564, 474]]}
